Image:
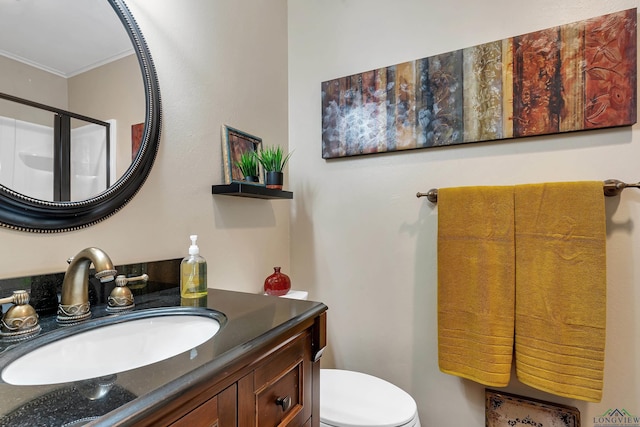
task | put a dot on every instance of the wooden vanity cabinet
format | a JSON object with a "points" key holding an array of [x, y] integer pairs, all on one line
{"points": [[220, 410], [278, 386]]}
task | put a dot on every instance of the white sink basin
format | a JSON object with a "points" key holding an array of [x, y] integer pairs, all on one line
{"points": [[110, 345]]}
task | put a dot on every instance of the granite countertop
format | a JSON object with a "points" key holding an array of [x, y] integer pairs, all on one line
{"points": [[252, 321]]}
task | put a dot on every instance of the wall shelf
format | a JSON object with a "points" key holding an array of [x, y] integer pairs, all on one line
{"points": [[239, 189]]}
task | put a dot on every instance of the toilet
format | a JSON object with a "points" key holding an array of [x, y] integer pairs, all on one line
{"points": [[355, 399]]}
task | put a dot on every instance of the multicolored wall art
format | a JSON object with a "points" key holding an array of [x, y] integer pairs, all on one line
{"points": [[574, 77]]}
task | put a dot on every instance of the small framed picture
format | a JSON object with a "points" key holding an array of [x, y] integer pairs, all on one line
{"points": [[510, 410], [137, 131], [235, 144]]}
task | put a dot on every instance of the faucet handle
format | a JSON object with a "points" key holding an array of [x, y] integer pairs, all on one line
{"points": [[19, 297], [121, 297], [122, 280], [21, 320]]}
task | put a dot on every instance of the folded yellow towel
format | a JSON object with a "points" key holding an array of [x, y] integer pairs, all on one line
{"points": [[561, 288], [476, 283]]}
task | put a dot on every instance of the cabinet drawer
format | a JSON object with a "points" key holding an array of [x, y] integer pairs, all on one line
{"points": [[280, 399], [278, 391], [282, 361]]}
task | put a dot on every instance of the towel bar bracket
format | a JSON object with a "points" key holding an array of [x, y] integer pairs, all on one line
{"points": [[431, 195], [611, 187]]}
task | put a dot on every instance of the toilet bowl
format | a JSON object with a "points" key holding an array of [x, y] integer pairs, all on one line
{"points": [[355, 399]]}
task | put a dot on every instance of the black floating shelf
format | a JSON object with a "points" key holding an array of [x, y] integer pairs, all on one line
{"points": [[239, 189]]}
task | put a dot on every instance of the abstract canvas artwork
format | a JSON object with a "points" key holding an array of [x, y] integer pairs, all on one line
{"points": [[573, 77]]}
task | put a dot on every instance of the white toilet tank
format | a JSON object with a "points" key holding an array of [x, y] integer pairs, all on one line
{"points": [[355, 399]]}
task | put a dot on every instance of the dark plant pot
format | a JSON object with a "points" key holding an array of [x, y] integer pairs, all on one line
{"points": [[274, 180], [251, 179]]}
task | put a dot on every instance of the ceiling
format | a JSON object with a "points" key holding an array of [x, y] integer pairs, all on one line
{"points": [[64, 37]]}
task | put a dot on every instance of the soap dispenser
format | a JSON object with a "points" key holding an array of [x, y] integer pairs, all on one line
{"points": [[193, 273]]}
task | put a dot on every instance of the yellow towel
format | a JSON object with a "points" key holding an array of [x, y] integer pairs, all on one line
{"points": [[476, 283], [561, 288]]}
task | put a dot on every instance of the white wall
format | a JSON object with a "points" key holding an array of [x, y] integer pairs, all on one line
{"points": [[218, 62], [366, 246]]}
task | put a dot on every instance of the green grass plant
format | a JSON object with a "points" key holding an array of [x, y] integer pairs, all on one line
{"points": [[248, 163], [273, 159]]}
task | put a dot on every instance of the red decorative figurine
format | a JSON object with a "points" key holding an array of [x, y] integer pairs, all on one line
{"points": [[277, 284]]}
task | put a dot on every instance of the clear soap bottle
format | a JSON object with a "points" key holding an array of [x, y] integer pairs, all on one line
{"points": [[193, 273]]}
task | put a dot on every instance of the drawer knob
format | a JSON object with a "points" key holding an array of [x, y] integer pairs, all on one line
{"points": [[285, 402]]}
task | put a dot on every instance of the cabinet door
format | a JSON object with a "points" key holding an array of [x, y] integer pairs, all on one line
{"points": [[205, 415], [219, 411], [278, 392]]}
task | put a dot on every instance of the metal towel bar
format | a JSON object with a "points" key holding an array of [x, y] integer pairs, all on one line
{"points": [[611, 187]]}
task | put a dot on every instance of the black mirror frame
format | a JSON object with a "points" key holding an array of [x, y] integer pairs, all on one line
{"points": [[23, 213]]}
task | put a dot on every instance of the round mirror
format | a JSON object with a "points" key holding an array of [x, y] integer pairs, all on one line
{"points": [[79, 112]]}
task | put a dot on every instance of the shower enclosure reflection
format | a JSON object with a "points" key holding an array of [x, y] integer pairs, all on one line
{"points": [[70, 73], [52, 154]]}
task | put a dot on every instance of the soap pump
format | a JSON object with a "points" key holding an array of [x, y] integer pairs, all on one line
{"points": [[193, 273]]}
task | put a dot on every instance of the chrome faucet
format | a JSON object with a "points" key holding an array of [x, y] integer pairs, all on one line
{"points": [[74, 302]]}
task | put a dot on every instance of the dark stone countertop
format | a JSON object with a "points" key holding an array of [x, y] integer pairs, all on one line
{"points": [[252, 321]]}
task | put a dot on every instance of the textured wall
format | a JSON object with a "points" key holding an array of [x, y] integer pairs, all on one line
{"points": [[218, 62], [363, 243]]}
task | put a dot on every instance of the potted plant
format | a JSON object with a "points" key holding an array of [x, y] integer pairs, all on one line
{"points": [[273, 161], [248, 165]]}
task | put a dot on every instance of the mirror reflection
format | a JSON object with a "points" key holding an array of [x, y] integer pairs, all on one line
{"points": [[72, 100]]}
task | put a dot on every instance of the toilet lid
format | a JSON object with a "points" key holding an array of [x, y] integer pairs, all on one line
{"points": [[354, 399]]}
